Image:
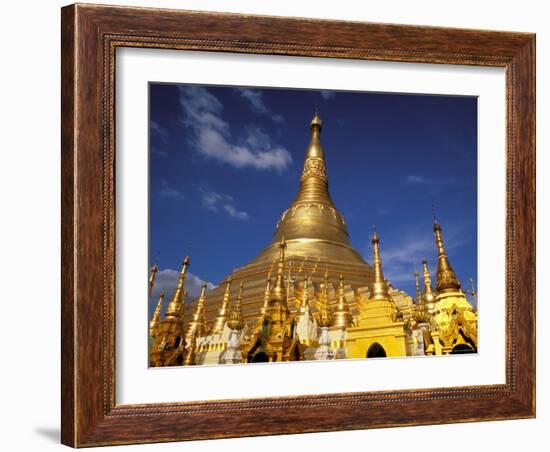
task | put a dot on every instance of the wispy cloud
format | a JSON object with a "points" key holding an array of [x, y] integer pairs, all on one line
{"points": [[257, 104], [256, 138], [216, 202], [326, 95], [211, 200], [234, 213], [422, 180], [157, 130], [399, 260], [212, 137], [255, 99], [170, 192], [158, 152]]}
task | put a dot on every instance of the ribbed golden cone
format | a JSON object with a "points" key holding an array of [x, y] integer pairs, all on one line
{"points": [[446, 279]]}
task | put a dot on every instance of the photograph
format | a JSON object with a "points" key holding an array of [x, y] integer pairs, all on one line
{"points": [[294, 224], [276, 223]]}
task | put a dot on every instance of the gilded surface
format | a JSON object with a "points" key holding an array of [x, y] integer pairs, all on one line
{"points": [[310, 295]]}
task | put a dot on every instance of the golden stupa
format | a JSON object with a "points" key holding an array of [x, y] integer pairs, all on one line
{"points": [[316, 237], [309, 295]]}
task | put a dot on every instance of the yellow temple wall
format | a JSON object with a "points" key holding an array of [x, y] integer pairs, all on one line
{"points": [[391, 337]]}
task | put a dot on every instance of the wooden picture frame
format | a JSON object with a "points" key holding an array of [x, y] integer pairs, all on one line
{"points": [[90, 36]]}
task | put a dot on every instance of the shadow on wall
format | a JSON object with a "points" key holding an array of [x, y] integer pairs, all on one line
{"points": [[50, 433]]}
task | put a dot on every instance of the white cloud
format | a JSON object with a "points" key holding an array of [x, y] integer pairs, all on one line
{"points": [[422, 180], [257, 104], [212, 135], [158, 152], [170, 192], [213, 201], [234, 213], [157, 130], [326, 95], [210, 200], [256, 137], [410, 251], [255, 99]]}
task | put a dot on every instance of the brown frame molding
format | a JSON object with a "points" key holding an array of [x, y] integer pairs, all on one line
{"points": [[90, 35]]}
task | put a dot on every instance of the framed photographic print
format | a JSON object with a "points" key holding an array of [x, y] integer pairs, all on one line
{"points": [[267, 220]]}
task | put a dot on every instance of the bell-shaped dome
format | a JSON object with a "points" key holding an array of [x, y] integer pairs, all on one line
{"points": [[313, 218]]}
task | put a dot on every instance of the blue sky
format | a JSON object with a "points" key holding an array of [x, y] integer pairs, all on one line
{"points": [[225, 163]]}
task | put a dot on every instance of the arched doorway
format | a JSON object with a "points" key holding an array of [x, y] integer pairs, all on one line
{"points": [[260, 357], [462, 348], [376, 351]]}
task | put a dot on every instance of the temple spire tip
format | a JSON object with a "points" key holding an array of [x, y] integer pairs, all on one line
{"points": [[316, 121]]}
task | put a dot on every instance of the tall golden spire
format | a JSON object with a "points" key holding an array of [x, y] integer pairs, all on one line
{"points": [[235, 320], [473, 291], [420, 312], [152, 274], [263, 310], [279, 292], [289, 284], [155, 320], [198, 324], [267, 295], [191, 356], [312, 214], [379, 289], [324, 315], [428, 295], [220, 320], [174, 311], [277, 309], [314, 181], [446, 279], [417, 285], [342, 314], [325, 284], [304, 302]]}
